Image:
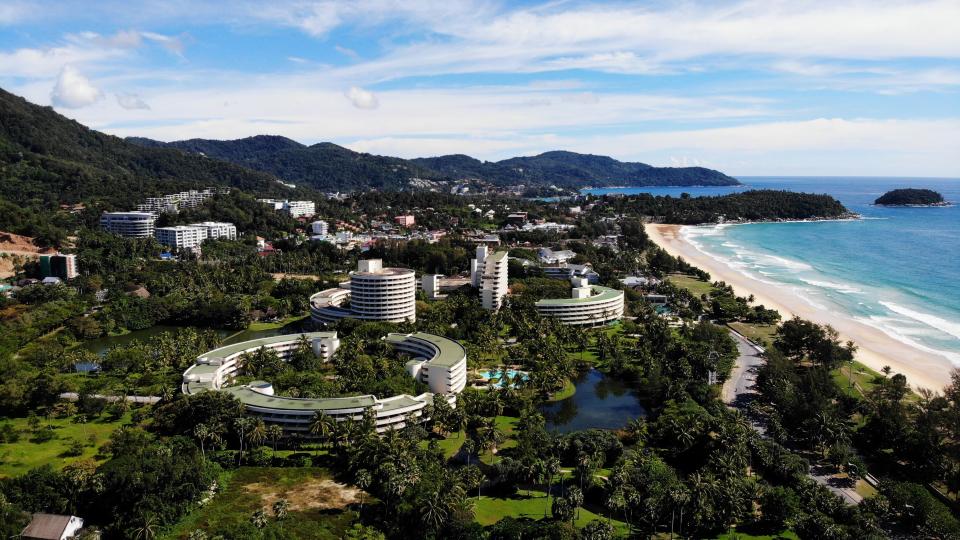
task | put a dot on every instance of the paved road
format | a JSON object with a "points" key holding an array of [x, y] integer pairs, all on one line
{"points": [[72, 396], [739, 390]]}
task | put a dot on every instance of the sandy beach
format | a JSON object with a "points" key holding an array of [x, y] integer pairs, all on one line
{"points": [[876, 349]]}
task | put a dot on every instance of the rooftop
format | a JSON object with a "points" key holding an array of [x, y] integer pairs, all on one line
{"points": [[235, 348], [599, 294], [448, 351]]}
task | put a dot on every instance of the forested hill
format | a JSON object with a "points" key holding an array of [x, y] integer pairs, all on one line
{"points": [[327, 166], [755, 205], [572, 170], [323, 166], [47, 159]]}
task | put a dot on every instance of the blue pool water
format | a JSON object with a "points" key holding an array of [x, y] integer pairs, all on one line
{"points": [[496, 374], [897, 270]]}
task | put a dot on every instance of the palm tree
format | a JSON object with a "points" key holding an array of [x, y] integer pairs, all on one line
{"points": [[241, 424], [274, 431], [202, 433], [147, 529], [551, 468], [259, 519], [575, 496], [322, 425], [363, 481], [280, 509], [257, 434], [433, 512]]}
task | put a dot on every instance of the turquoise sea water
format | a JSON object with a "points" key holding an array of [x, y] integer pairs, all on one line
{"points": [[898, 269]]}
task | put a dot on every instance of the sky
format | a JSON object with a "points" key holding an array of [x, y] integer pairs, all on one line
{"points": [[756, 87]]}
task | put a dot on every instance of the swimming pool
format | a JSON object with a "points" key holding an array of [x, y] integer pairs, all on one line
{"points": [[498, 374]]}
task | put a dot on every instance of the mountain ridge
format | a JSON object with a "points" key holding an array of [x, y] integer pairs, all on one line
{"points": [[328, 166]]}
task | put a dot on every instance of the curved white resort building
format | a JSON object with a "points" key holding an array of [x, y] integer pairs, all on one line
{"points": [[129, 224], [374, 293], [589, 305], [439, 362]]}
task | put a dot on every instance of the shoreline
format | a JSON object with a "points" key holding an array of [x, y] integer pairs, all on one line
{"points": [[875, 348]]}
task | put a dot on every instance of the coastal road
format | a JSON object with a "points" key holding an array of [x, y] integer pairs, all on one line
{"points": [[739, 390]]}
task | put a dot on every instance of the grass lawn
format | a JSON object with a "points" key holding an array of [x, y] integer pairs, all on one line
{"points": [[449, 446], [758, 333], [862, 377], [489, 510], [692, 284], [734, 534], [318, 504], [19, 457], [568, 390], [259, 326], [506, 424]]}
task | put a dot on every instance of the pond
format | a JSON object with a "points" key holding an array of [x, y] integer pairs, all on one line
{"points": [[601, 402], [102, 345]]}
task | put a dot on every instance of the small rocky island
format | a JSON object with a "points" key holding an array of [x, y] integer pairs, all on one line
{"points": [[911, 197]]}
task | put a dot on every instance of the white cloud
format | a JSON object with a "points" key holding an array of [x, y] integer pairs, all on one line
{"points": [[13, 12], [362, 99], [73, 90], [131, 101]]}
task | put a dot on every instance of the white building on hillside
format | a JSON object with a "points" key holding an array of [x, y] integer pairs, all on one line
{"points": [[181, 236], [320, 228], [129, 224], [216, 229]]}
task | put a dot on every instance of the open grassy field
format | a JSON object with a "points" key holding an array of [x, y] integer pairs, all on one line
{"points": [[18, 457], [260, 326], [757, 333], [489, 510], [855, 380], [319, 507], [692, 284], [734, 534]]}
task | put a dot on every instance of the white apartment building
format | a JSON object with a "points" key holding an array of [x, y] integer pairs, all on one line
{"points": [[374, 293], [181, 236], [492, 270], [294, 208], [175, 201], [129, 224], [217, 229], [300, 208], [320, 228]]}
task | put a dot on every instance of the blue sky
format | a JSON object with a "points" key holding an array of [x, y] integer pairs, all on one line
{"points": [[748, 87]]}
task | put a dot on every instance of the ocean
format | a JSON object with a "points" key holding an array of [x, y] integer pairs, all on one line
{"points": [[897, 269]]}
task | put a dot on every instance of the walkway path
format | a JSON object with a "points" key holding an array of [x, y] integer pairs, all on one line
{"points": [[73, 396]]}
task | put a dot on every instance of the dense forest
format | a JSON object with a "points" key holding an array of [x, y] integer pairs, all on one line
{"points": [[754, 205], [47, 160], [909, 197], [327, 166]]}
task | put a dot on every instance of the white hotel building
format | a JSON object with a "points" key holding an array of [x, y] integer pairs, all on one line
{"points": [[489, 274], [129, 224], [181, 236], [438, 362], [589, 305], [374, 293]]}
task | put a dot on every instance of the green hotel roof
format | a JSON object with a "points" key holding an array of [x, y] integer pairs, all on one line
{"points": [[230, 350], [499, 255], [601, 294], [251, 397], [449, 351]]}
